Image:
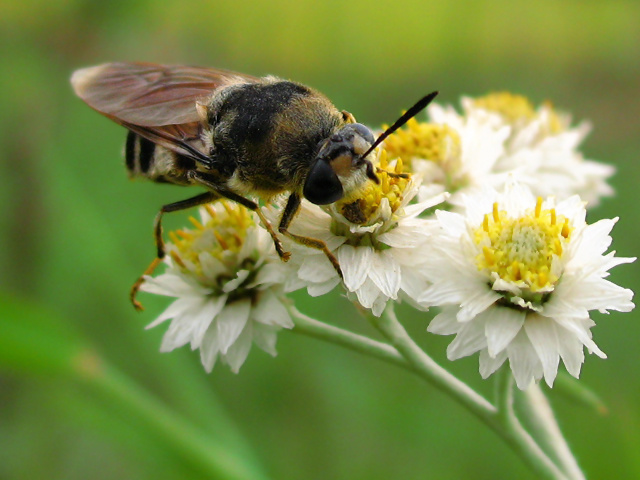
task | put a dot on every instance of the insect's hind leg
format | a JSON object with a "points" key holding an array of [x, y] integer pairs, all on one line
{"points": [[201, 199]]}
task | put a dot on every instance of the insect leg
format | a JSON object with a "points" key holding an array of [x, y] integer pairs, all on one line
{"points": [[157, 231], [245, 202], [292, 207]]}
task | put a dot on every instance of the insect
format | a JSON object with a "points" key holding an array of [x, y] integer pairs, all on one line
{"points": [[235, 135]]}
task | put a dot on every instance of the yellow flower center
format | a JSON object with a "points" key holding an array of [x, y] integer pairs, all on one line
{"points": [[514, 108], [437, 143], [222, 235], [362, 206], [521, 250]]}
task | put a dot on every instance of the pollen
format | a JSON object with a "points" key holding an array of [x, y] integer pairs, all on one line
{"points": [[436, 143], [221, 232], [521, 250], [363, 206], [513, 108]]}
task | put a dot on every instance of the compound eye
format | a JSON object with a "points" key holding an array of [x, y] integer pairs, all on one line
{"points": [[364, 131], [322, 185]]}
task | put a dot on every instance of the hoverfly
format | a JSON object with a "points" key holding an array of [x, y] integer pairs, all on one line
{"points": [[235, 135]]}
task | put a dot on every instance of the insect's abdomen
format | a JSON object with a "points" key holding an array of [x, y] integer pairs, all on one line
{"points": [[144, 158]]}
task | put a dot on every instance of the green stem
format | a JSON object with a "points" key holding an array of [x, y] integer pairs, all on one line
{"points": [[358, 343], [546, 430], [213, 459], [405, 353], [428, 369], [501, 420], [516, 436]]}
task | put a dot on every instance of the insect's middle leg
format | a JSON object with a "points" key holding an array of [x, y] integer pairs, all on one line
{"points": [[290, 211], [245, 202]]}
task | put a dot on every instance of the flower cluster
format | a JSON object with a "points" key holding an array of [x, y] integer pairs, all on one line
{"points": [[509, 259], [497, 137]]}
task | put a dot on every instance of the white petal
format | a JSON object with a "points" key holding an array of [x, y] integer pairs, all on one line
{"points": [[379, 305], [317, 269], [445, 322], [524, 361], [367, 293], [270, 311], [208, 313], [238, 352], [231, 321], [413, 282], [269, 274], [231, 285], [319, 289], [571, 351], [211, 266], [469, 340], [355, 264], [503, 324], [489, 364], [542, 333], [171, 286], [209, 349], [476, 303], [385, 273], [264, 336], [582, 333], [177, 308]]}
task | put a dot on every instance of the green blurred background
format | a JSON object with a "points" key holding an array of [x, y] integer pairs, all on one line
{"points": [[76, 233]]}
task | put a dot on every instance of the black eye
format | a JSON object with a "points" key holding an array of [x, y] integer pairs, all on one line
{"points": [[322, 185], [363, 131]]}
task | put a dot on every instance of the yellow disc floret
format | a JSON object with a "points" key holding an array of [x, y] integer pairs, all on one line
{"points": [[521, 250], [428, 141], [221, 234], [513, 108]]}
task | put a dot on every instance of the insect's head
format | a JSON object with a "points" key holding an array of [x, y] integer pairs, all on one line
{"points": [[340, 157], [343, 158]]}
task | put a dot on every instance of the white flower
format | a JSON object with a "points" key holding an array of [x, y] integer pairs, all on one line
{"points": [[458, 153], [376, 237], [542, 148], [517, 278], [227, 282], [497, 137]]}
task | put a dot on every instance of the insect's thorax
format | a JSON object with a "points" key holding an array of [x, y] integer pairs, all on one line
{"points": [[264, 136]]}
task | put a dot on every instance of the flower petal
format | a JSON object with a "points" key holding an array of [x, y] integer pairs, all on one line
{"points": [[502, 325], [542, 333], [269, 310], [385, 273], [231, 321], [355, 263]]}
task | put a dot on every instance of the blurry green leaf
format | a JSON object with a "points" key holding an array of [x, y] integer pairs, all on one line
{"points": [[578, 392], [33, 340]]}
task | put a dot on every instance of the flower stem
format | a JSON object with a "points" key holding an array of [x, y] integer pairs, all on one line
{"points": [[427, 368], [516, 436], [361, 344], [545, 428], [198, 448], [405, 353]]}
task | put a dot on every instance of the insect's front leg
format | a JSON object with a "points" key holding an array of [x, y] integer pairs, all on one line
{"points": [[290, 211], [201, 199]]}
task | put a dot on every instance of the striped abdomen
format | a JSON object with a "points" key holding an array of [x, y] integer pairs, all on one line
{"points": [[146, 159]]}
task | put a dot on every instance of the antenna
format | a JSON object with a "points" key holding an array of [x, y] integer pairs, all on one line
{"points": [[406, 116]]}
